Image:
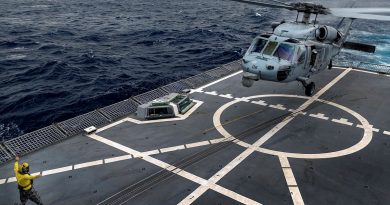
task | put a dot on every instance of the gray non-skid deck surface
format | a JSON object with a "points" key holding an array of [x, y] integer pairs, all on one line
{"points": [[362, 177]]}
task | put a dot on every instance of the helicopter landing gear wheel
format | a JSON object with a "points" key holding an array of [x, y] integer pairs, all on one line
{"points": [[310, 88], [247, 82]]}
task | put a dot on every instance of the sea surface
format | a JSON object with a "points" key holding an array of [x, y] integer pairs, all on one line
{"points": [[60, 59]]}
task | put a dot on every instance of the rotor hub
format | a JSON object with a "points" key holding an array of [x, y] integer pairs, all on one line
{"points": [[310, 8]]}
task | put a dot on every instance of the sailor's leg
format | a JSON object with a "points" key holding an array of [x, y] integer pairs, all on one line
{"points": [[23, 197], [34, 196]]}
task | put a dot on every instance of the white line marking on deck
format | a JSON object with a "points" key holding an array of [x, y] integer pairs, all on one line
{"points": [[174, 169], [116, 159], [242, 99], [11, 179], [219, 80], [373, 129], [363, 71], [211, 93], [88, 164], [228, 96], [386, 132], [151, 152], [236, 161], [36, 174], [198, 90], [291, 182], [259, 102], [319, 116], [197, 144], [110, 125], [180, 117], [342, 121], [278, 106], [215, 141], [171, 149], [56, 171]]}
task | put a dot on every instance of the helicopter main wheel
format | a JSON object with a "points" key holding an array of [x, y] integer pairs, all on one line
{"points": [[247, 82], [310, 88]]}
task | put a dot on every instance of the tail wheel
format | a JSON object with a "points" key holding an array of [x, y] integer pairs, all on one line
{"points": [[310, 89]]}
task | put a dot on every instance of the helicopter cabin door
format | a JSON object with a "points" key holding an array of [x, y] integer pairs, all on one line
{"points": [[316, 59]]}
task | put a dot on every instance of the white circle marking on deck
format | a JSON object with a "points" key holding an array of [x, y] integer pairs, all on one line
{"points": [[366, 139]]}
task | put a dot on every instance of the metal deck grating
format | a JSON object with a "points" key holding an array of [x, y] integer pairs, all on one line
{"points": [[77, 124], [150, 95], [176, 87], [342, 64], [34, 140], [218, 72], [198, 80], [233, 66], [4, 155], [120, 109]]}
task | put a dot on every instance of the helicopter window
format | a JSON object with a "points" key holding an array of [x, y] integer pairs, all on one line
{"points": [[301, 55], [285, 51], [259, 45], [270, 48]]}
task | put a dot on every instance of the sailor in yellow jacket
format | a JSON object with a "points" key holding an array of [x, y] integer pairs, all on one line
{"points": [[25, 183]]}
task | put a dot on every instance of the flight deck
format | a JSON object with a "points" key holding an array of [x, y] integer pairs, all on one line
{"points": [[267, 144]]}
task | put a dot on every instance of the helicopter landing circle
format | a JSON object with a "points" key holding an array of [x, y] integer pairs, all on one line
{"points": [[365, 140]]}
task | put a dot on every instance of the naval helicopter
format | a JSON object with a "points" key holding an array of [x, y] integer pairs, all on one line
{"points": [[298, 49]]}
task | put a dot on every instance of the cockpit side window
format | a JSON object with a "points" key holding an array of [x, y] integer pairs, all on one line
{"points": [[259, 45], [285, 51], [301, 55], [270, 48]]}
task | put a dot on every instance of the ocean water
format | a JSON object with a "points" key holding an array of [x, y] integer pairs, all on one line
{"points": [[59, 59]]}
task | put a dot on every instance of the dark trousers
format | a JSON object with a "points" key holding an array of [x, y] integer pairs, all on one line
{"points": [[29, 195]]}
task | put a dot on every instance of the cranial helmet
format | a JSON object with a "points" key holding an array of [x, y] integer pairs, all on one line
{"points": [[25, 168]]}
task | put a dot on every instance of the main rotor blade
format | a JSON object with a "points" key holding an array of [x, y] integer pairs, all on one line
{"points": [[382, 14], [280, 2], [284, 6]]}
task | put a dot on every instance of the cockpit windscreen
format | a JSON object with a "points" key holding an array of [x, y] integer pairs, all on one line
{"points": [[259, 45], [285, 51]]}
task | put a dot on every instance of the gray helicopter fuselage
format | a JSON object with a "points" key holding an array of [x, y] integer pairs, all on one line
{"points": [[294, 50]]}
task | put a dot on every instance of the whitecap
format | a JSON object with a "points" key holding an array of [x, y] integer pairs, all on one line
{"points": [[16, 57]]}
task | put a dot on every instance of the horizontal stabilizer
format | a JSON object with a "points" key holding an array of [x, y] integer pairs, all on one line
{"points": [[359, 47]]}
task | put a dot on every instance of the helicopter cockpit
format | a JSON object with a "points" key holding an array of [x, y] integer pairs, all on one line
{"points": [[273, 58], [281, 50]]}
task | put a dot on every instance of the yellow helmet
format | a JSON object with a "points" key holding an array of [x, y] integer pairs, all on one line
{"points": [[25, 168]]}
